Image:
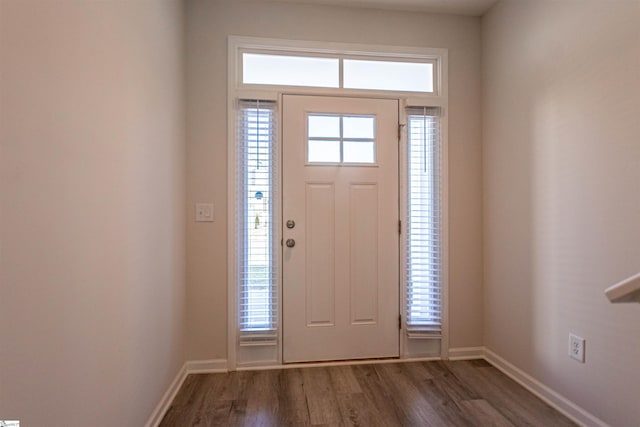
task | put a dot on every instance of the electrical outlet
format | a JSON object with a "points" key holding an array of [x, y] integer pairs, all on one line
{"points": [[576, 348]]}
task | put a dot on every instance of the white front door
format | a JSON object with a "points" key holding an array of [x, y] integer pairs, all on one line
{"points": [[340, 228]]}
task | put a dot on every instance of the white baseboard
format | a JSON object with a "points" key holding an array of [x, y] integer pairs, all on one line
{"points": [[335, 363], [189, 367], [553, 398], [168, 397], [211, 366], [466, 353]]}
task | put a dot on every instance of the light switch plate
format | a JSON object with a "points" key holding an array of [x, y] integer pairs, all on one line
{"points": [[204, 212]]}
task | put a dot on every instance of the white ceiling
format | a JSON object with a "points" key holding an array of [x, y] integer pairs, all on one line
{"points": [[456, 7]]}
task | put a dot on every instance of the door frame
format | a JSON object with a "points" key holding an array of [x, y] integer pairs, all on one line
{"points": [[262, 356]]}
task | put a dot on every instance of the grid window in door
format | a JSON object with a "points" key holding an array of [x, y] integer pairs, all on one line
{"points": [[337, 138]]}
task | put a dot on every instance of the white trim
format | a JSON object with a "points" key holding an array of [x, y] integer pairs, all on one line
{"points": [[164, 404], [557, 401], [337, 363], [627, 290], [402, 212], [232, 290], [466, 353], [426, 101], [321, 47], [444, 210], [239, 44], [189, 367], [211, 366], [262, 95]]}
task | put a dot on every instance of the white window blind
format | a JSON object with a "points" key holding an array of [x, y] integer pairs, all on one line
{"points": [[256, 220], [423, 234]]}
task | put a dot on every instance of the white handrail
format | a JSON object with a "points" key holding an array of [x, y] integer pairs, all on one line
{"points": [[626, 291]]}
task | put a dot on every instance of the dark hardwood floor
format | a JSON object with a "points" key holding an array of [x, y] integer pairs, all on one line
{"points": [[463, 393]]}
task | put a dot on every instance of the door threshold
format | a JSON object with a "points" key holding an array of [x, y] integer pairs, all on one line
{"points": [[328, 363]]}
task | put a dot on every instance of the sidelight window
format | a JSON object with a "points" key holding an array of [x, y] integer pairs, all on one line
{"points": [[256, 219], [423, 243]]}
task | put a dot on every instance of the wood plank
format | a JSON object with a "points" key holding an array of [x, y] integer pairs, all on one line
{"points": [[214, 413], [292, 402], [321, 400], [412, 406], [189, 392], [483, 414], [236, 414], [513, 401], [178, 416], [357, 411], [343, 380], [461, 393], [376, 395]]}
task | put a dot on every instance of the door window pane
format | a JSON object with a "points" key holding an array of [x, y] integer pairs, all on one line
{"points": [[387, 75], [290, 70], [324, 151], [324, 126], [358, 126], [358, 151]]}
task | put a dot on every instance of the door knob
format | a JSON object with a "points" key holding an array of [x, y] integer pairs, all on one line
{"points": [[291, 243], [291, 223]]}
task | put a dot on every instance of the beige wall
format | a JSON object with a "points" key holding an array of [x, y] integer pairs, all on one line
{"points": [[561, 98], [208, 25], [92, 200]]}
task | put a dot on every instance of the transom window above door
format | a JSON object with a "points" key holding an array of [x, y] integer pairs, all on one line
{"points": [[339, 72], [338, 138]]}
